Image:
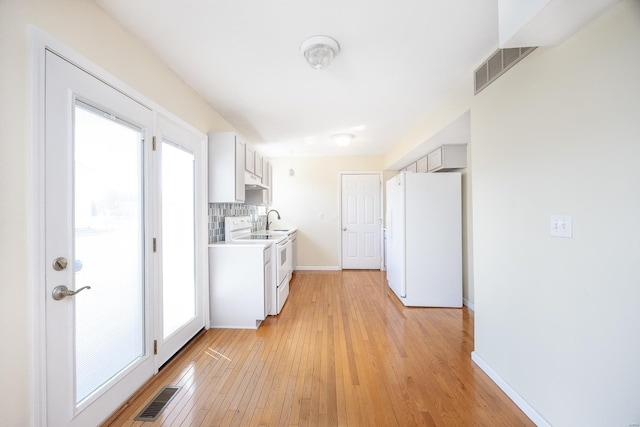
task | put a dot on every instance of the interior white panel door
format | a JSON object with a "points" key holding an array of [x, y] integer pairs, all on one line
{"points": [[361, 221]]}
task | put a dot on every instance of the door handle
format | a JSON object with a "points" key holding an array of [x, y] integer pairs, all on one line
{"points": [[61, 292], [344, 229]]}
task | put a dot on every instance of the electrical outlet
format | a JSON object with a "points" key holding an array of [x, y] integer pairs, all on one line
{"points": [[560, 226]]}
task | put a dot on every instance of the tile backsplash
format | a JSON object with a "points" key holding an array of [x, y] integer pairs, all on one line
{"points": [[217, 212]]}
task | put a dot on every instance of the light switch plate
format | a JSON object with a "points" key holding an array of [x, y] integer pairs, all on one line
{"points": [[560, 226]]}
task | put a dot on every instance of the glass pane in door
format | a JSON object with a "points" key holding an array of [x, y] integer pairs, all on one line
{"points": [[178, 238], [109, 248]]}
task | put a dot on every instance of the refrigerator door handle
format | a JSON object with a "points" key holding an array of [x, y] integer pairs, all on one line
{"points": [[389, 223]]}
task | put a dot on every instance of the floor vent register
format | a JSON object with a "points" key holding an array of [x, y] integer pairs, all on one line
{"points": [[152, 411]]}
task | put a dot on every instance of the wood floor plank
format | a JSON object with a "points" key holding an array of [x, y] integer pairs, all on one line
{"points": [[343, 352]]}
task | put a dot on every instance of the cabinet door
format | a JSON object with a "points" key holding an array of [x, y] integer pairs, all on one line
{"points": [[226, 168], [435, 159], [268, 289], [413, 167], [448, 157], [422, 165], [270, 178], [258, 166], [239, 171], [265, 173], [249, 159]]}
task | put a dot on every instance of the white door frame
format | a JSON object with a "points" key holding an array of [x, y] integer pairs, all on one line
{"points": [[341, 174], [39, 43]]}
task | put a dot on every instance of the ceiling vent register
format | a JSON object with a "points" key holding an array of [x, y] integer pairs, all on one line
{"points": [[498, 64]]}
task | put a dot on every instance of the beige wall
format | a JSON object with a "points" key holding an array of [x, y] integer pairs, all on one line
{"points": [[557, 319], [84, 27], [310, 200]]}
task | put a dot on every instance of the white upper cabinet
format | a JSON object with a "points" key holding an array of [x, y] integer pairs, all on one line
{"points": [[229, 160], [421, 165], [249, 159], [253, 162], [267, 179], [258, 164], [226, 168], [447, 157], [262, 197]]}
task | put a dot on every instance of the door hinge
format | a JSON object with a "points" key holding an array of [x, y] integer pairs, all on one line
{"points": [[155, 346], [155, 246], [153, 143]]}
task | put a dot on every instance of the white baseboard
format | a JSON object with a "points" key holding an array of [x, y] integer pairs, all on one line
{"points": [[468, 304], [510, 392], [318, 267]]}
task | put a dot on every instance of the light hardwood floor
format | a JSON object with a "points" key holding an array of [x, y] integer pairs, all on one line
{"points": [[343, 352]]}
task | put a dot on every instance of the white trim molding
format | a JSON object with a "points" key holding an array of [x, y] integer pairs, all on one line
{"points": [[38, 43], [469, 304], [318, 268], [520, 402]]}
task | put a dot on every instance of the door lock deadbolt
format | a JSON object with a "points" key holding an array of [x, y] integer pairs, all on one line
{"points": [[60, 263]]}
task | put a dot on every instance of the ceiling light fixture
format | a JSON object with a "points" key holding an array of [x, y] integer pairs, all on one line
{"points": [[342, 139], [319, 51]]}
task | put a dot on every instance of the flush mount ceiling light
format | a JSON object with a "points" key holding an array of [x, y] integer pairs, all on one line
{"points": [[342, 139], [319, 51]]}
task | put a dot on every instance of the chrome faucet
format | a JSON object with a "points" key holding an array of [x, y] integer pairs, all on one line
{"points": [[272, 210]]}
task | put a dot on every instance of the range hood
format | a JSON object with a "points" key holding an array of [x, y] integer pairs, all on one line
{"points": [[252, 182]]}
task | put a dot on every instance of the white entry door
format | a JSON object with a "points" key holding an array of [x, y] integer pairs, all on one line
{"points": [[97, 246], [361, 221]]}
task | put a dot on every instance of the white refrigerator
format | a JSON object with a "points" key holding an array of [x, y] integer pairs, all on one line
{"points": [[424, 238]]}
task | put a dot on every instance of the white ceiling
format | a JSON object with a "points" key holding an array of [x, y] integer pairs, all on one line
{"points": [[397, 59]]}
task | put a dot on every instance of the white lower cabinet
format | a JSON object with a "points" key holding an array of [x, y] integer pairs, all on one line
{"points": [[240, 283]]}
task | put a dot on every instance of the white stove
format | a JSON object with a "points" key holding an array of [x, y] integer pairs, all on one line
{"points": [[238, 229]]}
